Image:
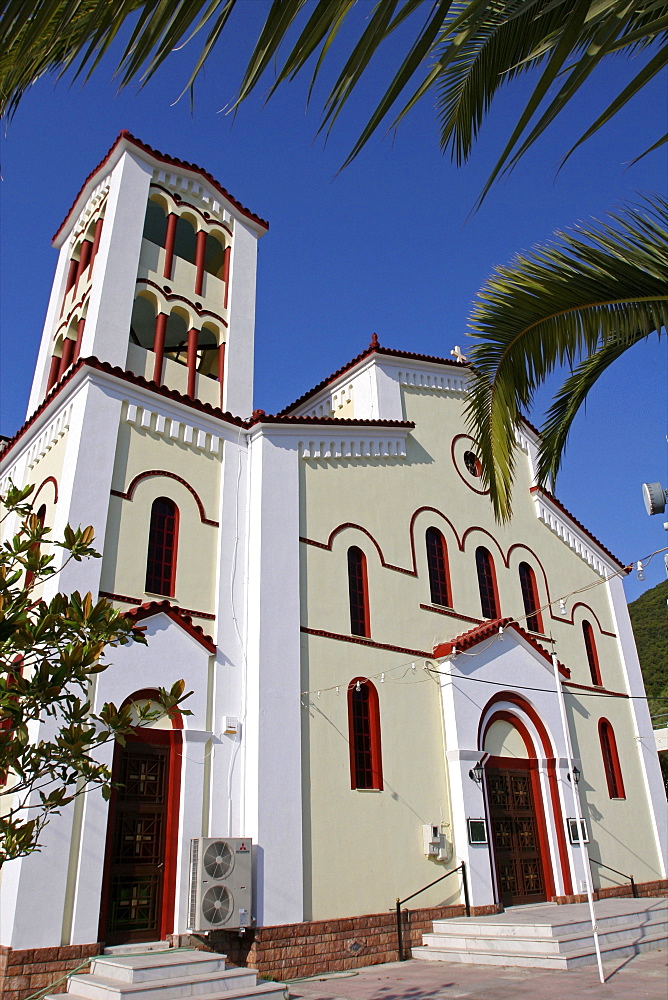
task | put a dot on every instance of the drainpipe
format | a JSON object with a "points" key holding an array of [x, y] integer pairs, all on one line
{"points": [[578, 814]]}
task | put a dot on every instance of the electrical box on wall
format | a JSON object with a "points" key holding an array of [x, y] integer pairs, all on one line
{"points": [[435, 844]]}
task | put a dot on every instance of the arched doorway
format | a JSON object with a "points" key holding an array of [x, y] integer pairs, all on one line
{"points": [[516, 817], [142, 832]]}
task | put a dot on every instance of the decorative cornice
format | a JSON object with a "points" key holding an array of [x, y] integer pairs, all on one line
{"points": [[50, 435], [455, 383], [92, 208], [380, 445], [552, 513], [151, 419]]}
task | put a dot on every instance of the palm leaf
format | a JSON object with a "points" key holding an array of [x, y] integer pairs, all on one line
{"points": [[594, 291]]}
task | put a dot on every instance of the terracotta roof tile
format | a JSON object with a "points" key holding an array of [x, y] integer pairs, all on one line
{"points": [[487, 630], [151, 608], [373, 348], [172, 161]]}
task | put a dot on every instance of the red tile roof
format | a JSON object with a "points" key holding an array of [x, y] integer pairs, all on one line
{"points": [[152, 608], [125, 136], [373, 348], [487, 630]]}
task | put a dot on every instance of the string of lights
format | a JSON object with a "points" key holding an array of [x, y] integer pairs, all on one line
{"points": [[410, 667]]}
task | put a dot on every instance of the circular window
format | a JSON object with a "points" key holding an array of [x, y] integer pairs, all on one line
{"points": [[472, 463]]}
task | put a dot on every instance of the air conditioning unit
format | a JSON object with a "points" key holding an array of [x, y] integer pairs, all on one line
{"points": [[220, 884]]}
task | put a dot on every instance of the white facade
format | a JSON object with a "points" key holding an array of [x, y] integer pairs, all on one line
{"points": [[150, 401]]}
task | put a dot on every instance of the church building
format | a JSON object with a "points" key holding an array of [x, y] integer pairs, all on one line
{"points": [[377, 665]]}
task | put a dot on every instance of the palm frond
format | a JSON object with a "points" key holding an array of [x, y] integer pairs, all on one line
{"points": [[596, 290]]}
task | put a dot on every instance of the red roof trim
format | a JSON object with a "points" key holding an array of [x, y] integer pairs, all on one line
{"points": [[580, 525], [124, 135], [485, 631], [194, 404], [372, 349], [152, 608], [362, 641]]}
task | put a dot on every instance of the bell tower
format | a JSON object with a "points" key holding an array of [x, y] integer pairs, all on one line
{"points": [[156, 276]]}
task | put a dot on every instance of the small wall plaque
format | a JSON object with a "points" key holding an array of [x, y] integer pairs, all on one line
{"points": [[477, 831]]}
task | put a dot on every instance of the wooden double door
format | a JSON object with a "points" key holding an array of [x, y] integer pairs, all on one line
{"points": [[515, 821], [138, 881]]}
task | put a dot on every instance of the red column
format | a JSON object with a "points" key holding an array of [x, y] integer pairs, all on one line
{"points": [[221, 370], [71, 274], [53, 372], [169, 244], [84, 259], [226, 272], [159, 346], [200, 252], [66, 356], [96, 240], [192, 361], [77, 346]]}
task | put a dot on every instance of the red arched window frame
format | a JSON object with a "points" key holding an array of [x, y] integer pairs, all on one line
{"points": [[592, 654], [489, 595], [611, 766], [437, 566], [534, 620], [35, 547], [162, 547], [366, 765], [358, 592]]}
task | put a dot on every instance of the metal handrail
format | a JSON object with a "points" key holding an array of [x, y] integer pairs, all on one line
{"points": [[634, 889], [460, 868]]}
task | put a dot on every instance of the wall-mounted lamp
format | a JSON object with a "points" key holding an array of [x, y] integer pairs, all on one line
{"points": [[475, 774], [576, 776]]}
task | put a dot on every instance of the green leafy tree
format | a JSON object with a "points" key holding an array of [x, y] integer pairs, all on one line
{"points": [[583, 301], [50, 652]]}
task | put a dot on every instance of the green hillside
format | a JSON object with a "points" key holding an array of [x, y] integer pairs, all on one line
{"points": [[649, 617]]}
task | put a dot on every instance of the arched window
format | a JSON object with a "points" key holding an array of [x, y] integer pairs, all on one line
{"points": [[437, 565], [366, 766], [358, 592], [162, 545], [214, 256], [534, 621], [592, 654], [185, 240], [613, 772], [489, 600], [155, 224]]}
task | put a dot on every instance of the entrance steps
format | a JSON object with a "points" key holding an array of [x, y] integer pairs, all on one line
{"points": [[547, 936], [167, 975]]}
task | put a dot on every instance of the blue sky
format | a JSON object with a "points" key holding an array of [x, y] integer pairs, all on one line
{"points": [[386, 246]]}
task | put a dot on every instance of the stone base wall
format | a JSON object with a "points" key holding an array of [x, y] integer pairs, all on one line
{"points": [[645, 890], [288, 951], [24, 972]]}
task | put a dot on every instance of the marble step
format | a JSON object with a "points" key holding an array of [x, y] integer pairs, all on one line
{"points": [[532, 944], [503, 926], [572, 960], [260, 991], [136, 949], [145, 968], [99, 987]]}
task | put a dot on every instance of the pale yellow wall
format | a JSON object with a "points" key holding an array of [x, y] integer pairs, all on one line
{"points": [[363, 848], [619, 828], [381, 497], [126, 540], [503, 740]]}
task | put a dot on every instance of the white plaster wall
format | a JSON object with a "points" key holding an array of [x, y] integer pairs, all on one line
{"points": [[115, 272], [44, 354], [273, 771], [238, 387]]}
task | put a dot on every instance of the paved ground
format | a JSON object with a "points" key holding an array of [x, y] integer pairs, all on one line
{"points": [[642, 977]]}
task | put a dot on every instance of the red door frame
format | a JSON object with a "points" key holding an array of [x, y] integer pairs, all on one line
{"points": [[173, 740]]}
